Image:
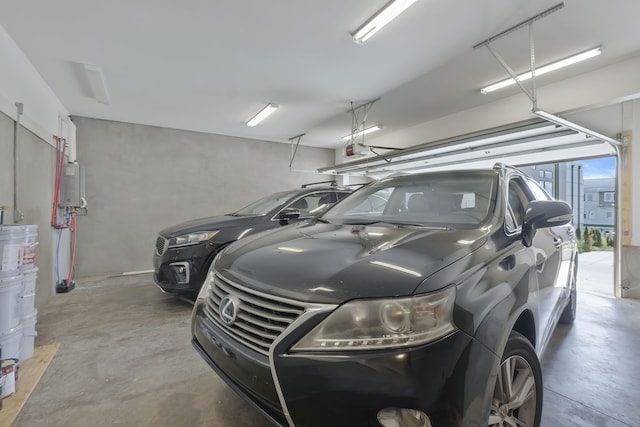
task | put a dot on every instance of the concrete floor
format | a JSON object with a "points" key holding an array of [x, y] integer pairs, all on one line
{"points": [[125, 359]]}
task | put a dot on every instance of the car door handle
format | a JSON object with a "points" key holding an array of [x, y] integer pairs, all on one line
{"points": [[557, 242], [570, 232]]}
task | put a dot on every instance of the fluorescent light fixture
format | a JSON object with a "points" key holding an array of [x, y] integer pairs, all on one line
{"points": [[263, 114], [362, 132], [380, 19], [97, 83], [545, 69]]}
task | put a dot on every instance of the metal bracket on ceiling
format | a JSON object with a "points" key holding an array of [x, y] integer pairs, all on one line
{"points": [[359, 116], [295, 142], [528, 23], [570, 125], [533, 94]]}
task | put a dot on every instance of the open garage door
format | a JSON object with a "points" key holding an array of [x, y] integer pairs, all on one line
{"points": [[532, 142]]}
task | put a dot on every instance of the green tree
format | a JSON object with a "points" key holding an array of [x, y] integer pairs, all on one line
{"points": [[588, 240], [578, 234], [597, 238]]}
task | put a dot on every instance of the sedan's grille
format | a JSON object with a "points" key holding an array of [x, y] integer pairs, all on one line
{"points": [[161, 245], [260, 319]]}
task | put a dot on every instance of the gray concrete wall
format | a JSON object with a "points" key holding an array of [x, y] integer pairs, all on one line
{"points": [[140, 179], [36, 160]]}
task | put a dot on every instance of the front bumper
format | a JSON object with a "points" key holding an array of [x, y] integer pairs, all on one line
{"points": [[445, 379], [181, 271]]}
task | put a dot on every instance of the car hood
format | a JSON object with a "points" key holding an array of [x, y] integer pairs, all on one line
{"points": [[330, 263], [206, 224]]}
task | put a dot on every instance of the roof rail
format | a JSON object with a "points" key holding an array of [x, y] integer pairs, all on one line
{"points": [[332, 183]]}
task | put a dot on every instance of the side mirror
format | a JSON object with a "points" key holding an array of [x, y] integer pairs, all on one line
{"points": [[288, 213], [544, 214]]}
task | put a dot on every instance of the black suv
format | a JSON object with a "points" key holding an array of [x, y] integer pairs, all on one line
{"points": [[429, 309], [184, 252]]}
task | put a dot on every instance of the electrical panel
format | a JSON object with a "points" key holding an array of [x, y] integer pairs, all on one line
{"points": [[72, 191]]}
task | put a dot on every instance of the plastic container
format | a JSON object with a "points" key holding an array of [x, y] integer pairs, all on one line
{"points": [[10, 301], [28, 336], [12, 240], [11, 341], [28, 297], [28, 251]]}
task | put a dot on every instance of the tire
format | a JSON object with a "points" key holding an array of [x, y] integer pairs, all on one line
{"points": [[569, 313], [521, 402]]}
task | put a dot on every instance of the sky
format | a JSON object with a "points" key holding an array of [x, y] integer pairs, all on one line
{"points": [[599, 168]]}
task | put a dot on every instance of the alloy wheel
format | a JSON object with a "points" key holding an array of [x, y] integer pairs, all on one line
{"points": [[514, 398]]}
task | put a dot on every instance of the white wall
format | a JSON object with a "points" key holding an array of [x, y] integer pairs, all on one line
{"points": [[41, 120], [21, 82]]}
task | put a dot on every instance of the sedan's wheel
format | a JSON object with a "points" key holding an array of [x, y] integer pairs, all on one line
{"points": [[517, 397]]}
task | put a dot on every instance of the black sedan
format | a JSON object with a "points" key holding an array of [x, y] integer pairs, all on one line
{"points": [[428, 310], [184, 251]]}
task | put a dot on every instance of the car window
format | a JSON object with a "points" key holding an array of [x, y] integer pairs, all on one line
{"points": [[441, 199], [312, 204], [341, 195], [538, 192], [266, 204], [373, 204], [518, 199]]}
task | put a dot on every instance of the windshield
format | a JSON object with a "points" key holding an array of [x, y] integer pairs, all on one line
{"points": [[266, 204], [449, 200]]}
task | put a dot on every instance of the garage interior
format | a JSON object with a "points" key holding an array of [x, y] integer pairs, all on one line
{"points": [[152, 101]]}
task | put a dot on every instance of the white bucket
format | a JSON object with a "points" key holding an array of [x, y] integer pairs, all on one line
{"points": [[28, 297], [28, 253], [10, 341], [28, 335], [12, 239], [10, 301]]}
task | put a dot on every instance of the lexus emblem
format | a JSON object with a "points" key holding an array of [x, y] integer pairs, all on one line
{"points": [[229, 309]]}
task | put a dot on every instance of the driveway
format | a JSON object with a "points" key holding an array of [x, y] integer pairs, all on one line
{"points": [[595, 272]]}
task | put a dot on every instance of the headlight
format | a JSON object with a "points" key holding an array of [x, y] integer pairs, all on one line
{"points": [[384, 323], [206, 286], [191, 238], [208, 280]]}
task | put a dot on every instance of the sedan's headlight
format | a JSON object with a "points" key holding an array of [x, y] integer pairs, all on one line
{"points": [[384, 323], [191, 238]]}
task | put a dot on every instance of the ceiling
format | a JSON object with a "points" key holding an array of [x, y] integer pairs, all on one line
{"points": [[208, 66]]}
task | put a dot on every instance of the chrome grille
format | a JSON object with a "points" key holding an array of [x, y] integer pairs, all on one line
{"points": [[161, 245], [261, 317]]}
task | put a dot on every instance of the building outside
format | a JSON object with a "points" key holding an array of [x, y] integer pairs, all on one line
{"points": [[562, 181], [599, 204], [592, 200]]}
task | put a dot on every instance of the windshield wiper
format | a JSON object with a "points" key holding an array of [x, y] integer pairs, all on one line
{"points": [[430, 227], [399, 224], [379, 223]]}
